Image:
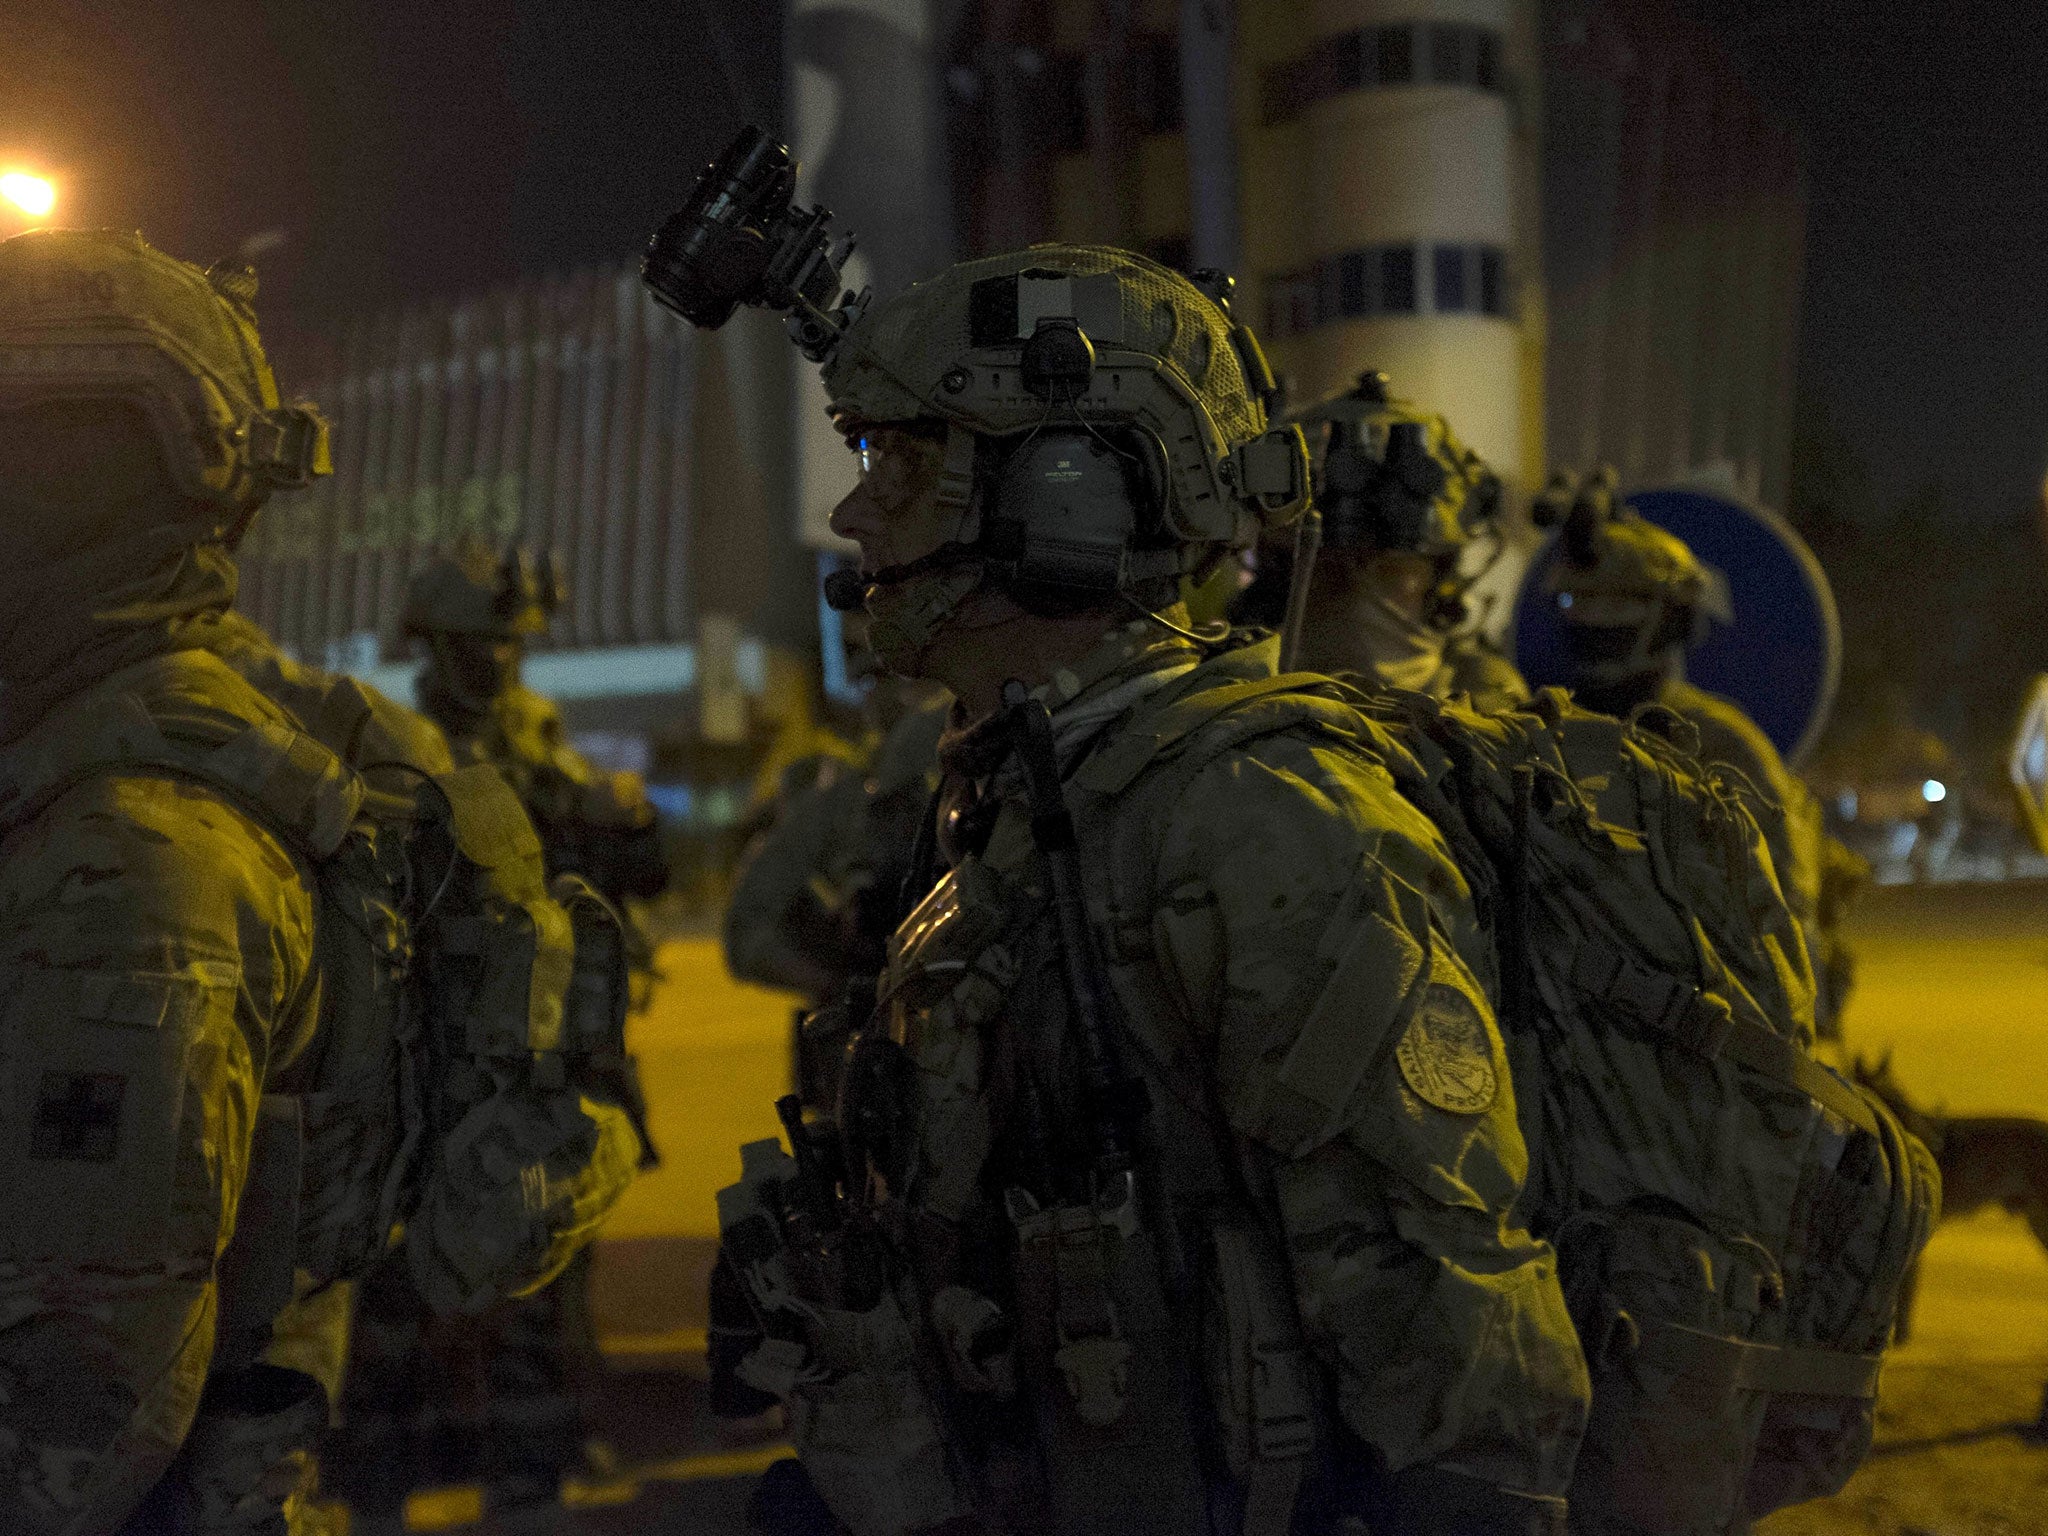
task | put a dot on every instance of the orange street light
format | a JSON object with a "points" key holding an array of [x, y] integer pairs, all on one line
{"points": [[33, 195]]}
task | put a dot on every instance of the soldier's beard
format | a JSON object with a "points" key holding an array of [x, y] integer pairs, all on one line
{"points": [[905, 617]]}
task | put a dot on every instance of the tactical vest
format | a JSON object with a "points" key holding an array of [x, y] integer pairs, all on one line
{"points": [[438, 949]]}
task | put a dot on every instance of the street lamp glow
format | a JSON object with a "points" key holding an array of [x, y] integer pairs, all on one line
{"points": [[1934, 791], [33, 195]]}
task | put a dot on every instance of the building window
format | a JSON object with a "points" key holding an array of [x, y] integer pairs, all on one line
{"points": [[1406, 53], [1153, 100], [1396, 48], [1449, 51], [1066, 95], [1449, 293], [1387, 280], [1347, 57], [1493, 288], [1155, 70], [1397, 280], [1486, 60], [1354, 284]]}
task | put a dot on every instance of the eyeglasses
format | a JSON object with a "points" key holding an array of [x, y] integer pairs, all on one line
{"points": [[890, 450]]}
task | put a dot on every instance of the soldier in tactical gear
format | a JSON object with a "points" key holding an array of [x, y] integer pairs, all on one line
{"points": [[1400, 501], [473, 612], [215, 1036], [1634, 599], [1184, 1098], [473, 615]]}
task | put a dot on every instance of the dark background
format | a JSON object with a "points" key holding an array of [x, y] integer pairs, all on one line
{"points": [[409, 150]]}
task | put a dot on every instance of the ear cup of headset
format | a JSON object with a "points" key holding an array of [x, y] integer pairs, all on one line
{"points": [[1060, 508]]}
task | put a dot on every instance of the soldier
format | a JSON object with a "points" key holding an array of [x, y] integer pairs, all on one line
{"points": [[1634, 599], [535, 1362], [1211, 1114], [473, 614], [219, 999], [1401, 502]]}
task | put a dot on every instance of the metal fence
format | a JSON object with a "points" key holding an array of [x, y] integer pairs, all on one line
{"points": [[558, 412]]}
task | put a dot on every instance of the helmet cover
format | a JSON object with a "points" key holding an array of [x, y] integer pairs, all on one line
{"points": [[102, 314], [472, 591], [1165, 360], [1608, 549]]}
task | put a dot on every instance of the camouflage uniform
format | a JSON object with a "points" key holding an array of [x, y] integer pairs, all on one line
{"points": [[1288, 887], [1330, 1161], [204, 1106]]}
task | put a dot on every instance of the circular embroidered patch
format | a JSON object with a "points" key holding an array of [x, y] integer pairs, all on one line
{"points": [[1445, 1054]]}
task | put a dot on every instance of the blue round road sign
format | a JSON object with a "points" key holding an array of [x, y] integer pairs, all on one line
{"points": [[1781, 658]]}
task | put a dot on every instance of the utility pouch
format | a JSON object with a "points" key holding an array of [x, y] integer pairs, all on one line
{"points": [[859, 1415], [499, 951], [866, 1429], [1260, 1380], [1666, 1313], [254, 1274], [594, 1010], [1101, 1353]]}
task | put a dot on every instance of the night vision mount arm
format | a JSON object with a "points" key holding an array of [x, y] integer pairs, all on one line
{"points": [[740, 240]]}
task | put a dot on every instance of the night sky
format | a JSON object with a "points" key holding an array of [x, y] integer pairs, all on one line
{"points": [[410, 148]]}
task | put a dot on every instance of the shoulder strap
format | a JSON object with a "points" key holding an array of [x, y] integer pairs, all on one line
{"points": [[189, 715], [1158, 730]]}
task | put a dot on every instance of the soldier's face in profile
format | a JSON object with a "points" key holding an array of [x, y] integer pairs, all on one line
{"points": [[893, 512]]}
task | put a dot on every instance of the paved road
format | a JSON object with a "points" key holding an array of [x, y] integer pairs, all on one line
{"points": [[1954, 980]]}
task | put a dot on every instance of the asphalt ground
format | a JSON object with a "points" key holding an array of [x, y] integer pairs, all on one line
{"points": [[1953, 980]]}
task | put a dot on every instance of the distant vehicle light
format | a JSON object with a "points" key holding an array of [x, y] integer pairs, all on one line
{"points": [[33, 195], [1934, 791]]}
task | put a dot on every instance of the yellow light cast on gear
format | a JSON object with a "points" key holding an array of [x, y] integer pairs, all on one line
{"points": [[100, 314]]}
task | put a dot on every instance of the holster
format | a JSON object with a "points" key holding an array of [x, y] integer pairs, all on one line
{"points": [[860, 1416]]}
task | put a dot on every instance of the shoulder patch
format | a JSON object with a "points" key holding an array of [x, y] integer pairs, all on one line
{"points": [[1445, 1055]]}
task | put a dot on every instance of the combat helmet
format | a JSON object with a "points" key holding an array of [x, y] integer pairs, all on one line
{"points": [[472, 591], [1608, 549], [1628, 591], [1060, 374], [1392, 476], [100, 314]]}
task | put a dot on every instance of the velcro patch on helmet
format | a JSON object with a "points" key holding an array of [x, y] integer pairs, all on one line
{"points": [[1001, 310]]}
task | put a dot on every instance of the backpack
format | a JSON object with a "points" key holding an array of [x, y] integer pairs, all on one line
{"points": [[1734, 1222]]}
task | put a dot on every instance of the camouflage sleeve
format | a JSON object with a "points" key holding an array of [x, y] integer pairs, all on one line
{"points": [[1315, 924], [153, 947], [781, 927]]}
